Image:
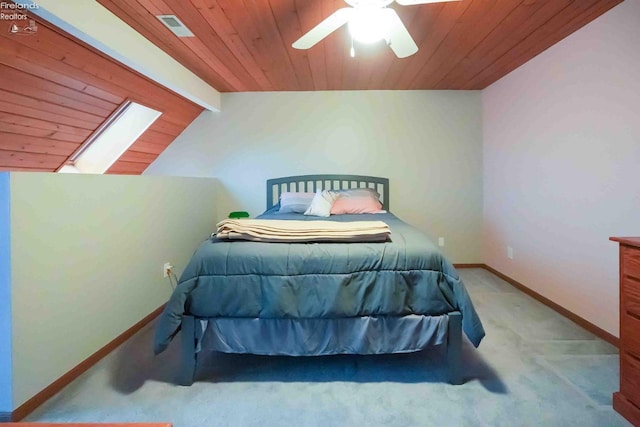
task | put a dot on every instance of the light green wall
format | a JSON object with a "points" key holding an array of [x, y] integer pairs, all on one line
{"points": [[86, 259], [6, 400], [428, 143]]}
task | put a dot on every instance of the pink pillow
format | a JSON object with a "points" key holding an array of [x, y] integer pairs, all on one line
{"points": [[355, 205]]}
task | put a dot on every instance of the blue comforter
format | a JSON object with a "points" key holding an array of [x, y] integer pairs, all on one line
{"points": [[407, 275]]}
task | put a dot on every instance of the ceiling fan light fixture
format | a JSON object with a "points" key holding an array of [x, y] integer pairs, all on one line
{"points": [[369, 25], [369, 21]]}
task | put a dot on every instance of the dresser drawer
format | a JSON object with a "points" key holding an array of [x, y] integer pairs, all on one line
{"points": [[630, 317], [631, 262], [630, 377], [630, 295], [630, 286], [630, 333]]}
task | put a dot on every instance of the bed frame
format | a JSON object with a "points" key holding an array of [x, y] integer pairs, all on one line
{"points": [[312, 183], [191, 329]]}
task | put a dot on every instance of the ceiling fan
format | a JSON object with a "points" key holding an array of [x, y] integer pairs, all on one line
{"points": [[369, 21]]}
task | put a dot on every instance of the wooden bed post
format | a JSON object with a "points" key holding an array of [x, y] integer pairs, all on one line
{"points": [[188, 351], [454, 348]]}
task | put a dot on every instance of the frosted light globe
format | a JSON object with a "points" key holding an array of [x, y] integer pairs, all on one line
{"points": [[369, 25]]}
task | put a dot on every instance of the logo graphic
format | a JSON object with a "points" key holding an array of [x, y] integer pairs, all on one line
{"points": [[29, 29], [15, 14]]}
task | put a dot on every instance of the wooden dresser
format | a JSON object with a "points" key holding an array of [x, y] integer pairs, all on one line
{"points": [[627, 400]]}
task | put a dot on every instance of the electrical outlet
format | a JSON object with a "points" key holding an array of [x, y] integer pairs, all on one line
{"points": [[509, 252], [440, 241], [166, 269]]}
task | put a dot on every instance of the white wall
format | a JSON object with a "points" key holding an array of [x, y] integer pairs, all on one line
{"points": [[86, 261], [427, 142], [561, 165]]}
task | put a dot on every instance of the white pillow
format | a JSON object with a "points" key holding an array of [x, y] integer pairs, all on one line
{"points": [[293, 202], [321, 203]]}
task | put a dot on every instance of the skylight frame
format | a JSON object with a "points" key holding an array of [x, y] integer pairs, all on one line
{"points": [[104, 146]]}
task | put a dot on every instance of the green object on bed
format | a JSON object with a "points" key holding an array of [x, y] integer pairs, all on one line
{"points": [[239, 214]]}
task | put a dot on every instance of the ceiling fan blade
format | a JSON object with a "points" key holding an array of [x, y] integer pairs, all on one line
{"points": [[412, 2], [336, 20], [400, 40]]}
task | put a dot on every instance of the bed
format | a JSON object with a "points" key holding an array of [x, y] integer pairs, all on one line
{"points": [[320, 298]]}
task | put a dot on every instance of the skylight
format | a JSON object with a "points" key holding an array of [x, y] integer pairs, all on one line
{"points": [[111, 139]]}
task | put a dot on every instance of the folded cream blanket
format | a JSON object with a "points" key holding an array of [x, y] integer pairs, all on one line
{"points": [[273, 230]]}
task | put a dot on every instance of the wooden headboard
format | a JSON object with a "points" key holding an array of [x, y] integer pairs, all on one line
{"points": [[312, 183]]}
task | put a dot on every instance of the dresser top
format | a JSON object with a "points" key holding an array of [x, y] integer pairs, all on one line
{"points": [[631, 241]]}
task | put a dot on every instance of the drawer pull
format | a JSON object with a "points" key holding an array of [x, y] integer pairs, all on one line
{"points": [[634, 279], [633, 356], [634, 315]]}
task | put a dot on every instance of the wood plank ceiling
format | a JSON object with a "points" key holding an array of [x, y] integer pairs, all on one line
{"points": [[245, 45], [55, 91]]}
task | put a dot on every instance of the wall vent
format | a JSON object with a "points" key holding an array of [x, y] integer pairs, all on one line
{"points": [[175, 25]]}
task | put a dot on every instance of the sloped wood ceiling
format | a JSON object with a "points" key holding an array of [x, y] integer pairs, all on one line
{"points": [[245, 45], [55, 91]]}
